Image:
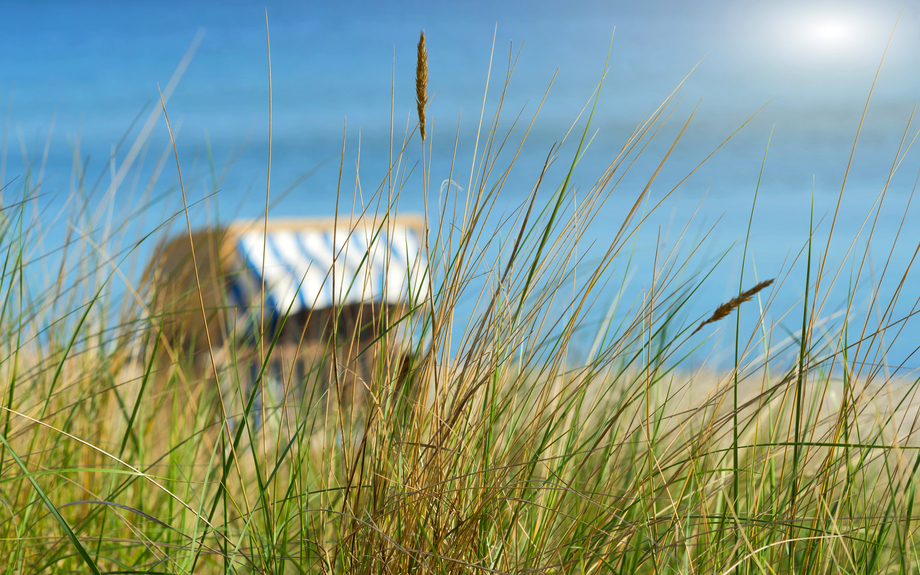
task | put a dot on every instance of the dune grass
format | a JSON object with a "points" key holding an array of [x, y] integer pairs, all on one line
{"points": [[499, 452]]}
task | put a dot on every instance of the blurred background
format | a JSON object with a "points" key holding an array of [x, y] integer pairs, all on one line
{"points": [[78, 82]]}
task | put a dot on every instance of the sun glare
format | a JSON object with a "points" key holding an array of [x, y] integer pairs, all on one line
{"points": [[808, 33], [831, 32], [826, 34]]}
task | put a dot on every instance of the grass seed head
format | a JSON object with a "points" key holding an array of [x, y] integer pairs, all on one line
{"points": [[421, 83], [729, 306]]}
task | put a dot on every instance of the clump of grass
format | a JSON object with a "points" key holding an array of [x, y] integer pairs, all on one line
{"points": [[494, 453]]}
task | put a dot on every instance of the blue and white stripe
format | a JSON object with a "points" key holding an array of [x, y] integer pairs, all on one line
{"points": [[368, 266]]}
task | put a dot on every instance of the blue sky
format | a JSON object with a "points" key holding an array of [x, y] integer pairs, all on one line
{"points": [[92, 66], [97, 63], [88, 68]]}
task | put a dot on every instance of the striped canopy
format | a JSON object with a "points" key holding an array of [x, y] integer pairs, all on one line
{"points": [[323, 267]]}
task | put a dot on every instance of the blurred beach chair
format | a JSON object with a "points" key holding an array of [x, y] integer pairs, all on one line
{"points": [[297, 311]]}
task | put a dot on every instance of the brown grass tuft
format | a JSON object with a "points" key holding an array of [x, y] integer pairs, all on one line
{"points": [[421, 83], [729, 306]]}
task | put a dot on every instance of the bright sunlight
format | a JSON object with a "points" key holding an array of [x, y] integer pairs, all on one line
{"points": [[832, 32], [833, 35]]}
